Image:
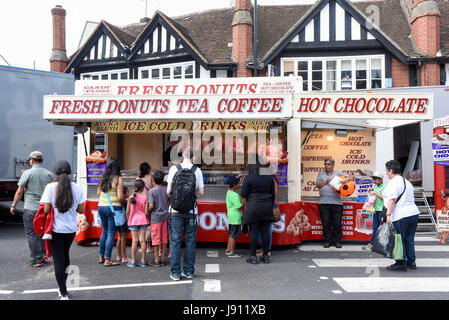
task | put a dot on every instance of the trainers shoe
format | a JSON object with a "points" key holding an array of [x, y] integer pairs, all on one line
{"points": [[397, 267], [46, 259], [186, 275], [326, 245], [227, 253], [235, 255], [174, 278], [64, 298], [411, 265], [155, 263], [369, 246], [142, 264], [163, 262], [131, 264], [337, 245], [34, 264]]}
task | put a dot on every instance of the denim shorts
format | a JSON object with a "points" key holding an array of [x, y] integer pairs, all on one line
{"points": [[124, 228], [136, 228]]}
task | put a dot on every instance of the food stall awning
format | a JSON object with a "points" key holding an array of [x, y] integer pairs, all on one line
{"points": [[366, 110]]}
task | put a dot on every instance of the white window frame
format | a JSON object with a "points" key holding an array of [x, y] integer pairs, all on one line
{"points": [[171, 66], [338, 59], [101, 73]]}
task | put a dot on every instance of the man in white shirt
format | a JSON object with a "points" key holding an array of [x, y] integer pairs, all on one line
{"points": [[399, 199], [180, 221]]}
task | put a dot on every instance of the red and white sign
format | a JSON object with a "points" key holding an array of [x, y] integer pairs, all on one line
{"points": [[299, 221], [363, 106], [189, 87], [94, 108]]}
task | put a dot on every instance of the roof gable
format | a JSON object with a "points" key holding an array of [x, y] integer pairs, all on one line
{"points": [[330, 23], [106, 43], [162, 36]]}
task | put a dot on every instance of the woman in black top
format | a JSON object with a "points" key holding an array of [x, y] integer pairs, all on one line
{"points": [[258, 193]]}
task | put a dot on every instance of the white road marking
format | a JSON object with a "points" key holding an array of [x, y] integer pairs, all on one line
{"points": [[390, 284], [357, 263], [212, 254], [324, 278], [116, 286], [211, 285], [354, 248], [6, 292], [427, 239], [337, 292], [212, 268]]}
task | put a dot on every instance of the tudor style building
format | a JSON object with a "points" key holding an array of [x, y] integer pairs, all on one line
{"points": [[334, 45]]}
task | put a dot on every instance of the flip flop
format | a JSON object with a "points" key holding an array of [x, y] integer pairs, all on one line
{"points": [[112, 264], [101, 260]]}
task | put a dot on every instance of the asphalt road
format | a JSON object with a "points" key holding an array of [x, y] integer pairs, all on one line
{"points": [[302, 272]]}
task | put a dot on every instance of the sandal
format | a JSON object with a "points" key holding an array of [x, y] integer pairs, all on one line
{"points": [[111, 263], [101, 260]]}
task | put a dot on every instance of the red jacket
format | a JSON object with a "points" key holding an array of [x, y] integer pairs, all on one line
{"points": [[42, 226]]}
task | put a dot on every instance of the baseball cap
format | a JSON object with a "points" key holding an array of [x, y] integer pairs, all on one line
{"points": [[36, 155], [378, 174]]}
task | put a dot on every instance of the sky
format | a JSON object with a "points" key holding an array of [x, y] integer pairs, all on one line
{"points": [[26, 25]]}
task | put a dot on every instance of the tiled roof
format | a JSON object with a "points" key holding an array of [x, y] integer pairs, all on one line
{"points": [[210, 32]]}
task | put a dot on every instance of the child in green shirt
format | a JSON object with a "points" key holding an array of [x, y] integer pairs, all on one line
{"points": [[234, 208], [378, 205]]}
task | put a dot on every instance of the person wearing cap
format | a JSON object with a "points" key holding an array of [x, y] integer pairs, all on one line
{"points": [[31, 185], [330, 205], [378, 205]]}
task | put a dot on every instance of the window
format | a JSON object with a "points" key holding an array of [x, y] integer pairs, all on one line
{"points": [[166, 73], [172, 71], [361, 74], [177, 72], [337, 73], [346, 75], [317, 75], [331, 75], [303, 66], [289, 68], [188, 71], [106, 75], [376, 73]]}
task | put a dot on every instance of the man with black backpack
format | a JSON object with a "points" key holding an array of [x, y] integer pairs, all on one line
{"points": [[184, 185]]}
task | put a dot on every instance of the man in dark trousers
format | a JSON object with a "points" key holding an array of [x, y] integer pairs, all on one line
{"points": [[330, 205], [183, 221], [31, 185]]}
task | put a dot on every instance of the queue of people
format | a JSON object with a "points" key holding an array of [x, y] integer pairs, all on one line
{"points": [[160, 212]]}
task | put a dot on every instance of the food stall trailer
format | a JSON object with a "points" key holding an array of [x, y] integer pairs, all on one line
{"points": [[138, 117], [440, 153]]}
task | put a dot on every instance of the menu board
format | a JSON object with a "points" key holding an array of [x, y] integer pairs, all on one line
{"points": [[357, 150]]}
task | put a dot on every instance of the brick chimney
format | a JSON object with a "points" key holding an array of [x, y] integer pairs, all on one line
{"points": [[58, 59], [426, 34], [242, 36]]}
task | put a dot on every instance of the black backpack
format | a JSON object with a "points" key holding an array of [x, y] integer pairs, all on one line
{"points": [[183, 189]]}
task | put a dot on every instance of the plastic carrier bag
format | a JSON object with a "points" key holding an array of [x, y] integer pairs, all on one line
{"points": [[398, 251], [385, 240]]}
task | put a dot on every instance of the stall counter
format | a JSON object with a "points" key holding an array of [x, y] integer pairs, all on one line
{"points": [[299, 221]]}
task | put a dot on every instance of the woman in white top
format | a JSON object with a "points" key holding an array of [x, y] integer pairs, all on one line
{"points": [[67, 199], [399, 199]]}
